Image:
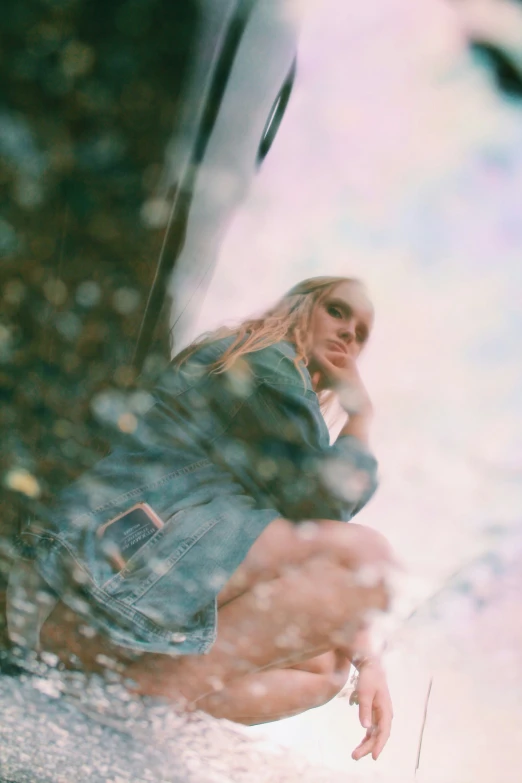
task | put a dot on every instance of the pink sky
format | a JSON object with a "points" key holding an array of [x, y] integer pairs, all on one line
{"points": [[382, 169]]}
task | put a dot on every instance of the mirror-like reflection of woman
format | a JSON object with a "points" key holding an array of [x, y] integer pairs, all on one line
{"points": [[211, 552]]}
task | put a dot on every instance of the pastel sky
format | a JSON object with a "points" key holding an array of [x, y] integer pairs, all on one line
{"points": [[399, 163]]}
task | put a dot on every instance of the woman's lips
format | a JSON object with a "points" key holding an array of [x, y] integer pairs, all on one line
{"points": [[338, 346]]}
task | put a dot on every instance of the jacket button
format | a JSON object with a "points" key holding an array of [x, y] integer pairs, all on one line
{"points": [[178, 638]]}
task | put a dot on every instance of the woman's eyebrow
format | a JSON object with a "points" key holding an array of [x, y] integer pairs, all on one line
{"points": [[346, 309]]}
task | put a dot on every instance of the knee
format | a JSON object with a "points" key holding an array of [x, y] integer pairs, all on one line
{"points": [[285, 544], [329, 589], [351, 545]]}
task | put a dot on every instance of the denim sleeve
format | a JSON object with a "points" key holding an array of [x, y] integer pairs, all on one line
{"points": [[312, 478], [349, 454]]}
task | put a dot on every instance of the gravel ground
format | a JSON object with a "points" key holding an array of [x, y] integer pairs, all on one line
{"points": [[57, 730]]}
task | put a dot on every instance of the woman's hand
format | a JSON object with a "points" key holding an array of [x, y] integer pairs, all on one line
{"points": [[375, 709], [339, 372]]}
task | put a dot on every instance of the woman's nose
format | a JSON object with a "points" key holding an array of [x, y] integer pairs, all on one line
{"points": [[347, 332]]}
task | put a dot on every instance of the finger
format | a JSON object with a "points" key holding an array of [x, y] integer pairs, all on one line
{"points": [[382, 735], [333, 362], [316, 377], [365, 747], [365, 709], [377, 735], [338, 359]]}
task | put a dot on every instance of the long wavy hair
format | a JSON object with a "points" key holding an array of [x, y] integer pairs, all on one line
{"points": [[289, 319]]}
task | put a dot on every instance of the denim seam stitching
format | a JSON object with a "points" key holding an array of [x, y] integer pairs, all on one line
{"points": [[153, 485], [129, 612], [233, 415]]}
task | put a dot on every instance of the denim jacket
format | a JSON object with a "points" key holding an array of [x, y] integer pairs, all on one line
{"points": [[217, 456]]}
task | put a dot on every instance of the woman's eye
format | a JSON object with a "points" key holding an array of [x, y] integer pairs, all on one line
{"points": [[361, 336], [334, 311]]}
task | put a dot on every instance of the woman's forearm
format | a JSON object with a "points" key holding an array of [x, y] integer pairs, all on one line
{"points": [[360, 650], [358, 425]]}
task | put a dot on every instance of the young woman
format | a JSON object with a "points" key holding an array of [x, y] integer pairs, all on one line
{"points": [[210, 552]]}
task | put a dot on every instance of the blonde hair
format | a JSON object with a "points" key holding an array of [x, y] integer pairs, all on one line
{"points": [[288, 319]]}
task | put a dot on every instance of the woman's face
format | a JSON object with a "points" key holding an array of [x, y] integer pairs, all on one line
{"points": [[341, 324]]}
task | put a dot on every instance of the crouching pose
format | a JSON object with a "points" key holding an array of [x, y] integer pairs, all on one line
{"points": [[212, 553]]}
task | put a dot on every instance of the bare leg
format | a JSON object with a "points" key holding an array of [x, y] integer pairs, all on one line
{"points": [[310, 610], [284, 545], [295, 596], [279, 693]]}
